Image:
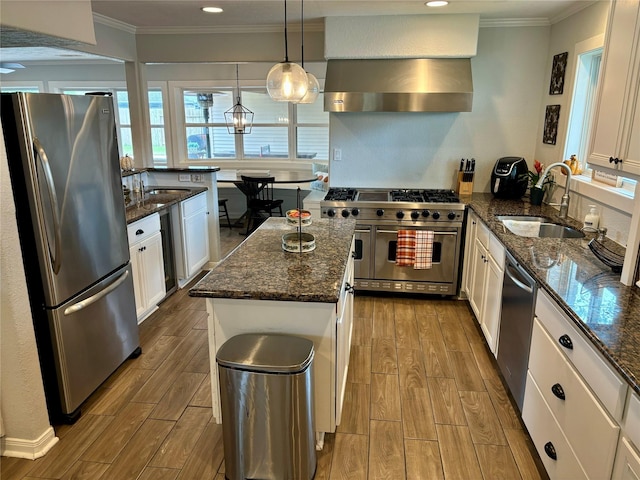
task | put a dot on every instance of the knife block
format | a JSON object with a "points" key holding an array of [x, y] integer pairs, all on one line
{"points": [[464, 188]]}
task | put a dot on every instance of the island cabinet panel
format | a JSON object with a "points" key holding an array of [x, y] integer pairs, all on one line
{"points": [[315, 321], [627, 466], [344, 332]]}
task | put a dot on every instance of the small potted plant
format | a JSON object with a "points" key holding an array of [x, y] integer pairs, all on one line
{"points": [[537, 194]]}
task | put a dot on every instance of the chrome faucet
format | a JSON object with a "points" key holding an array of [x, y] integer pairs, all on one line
{"points": [[564, 204]]}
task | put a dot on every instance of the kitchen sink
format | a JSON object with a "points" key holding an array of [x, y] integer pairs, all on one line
{"points": [[529, 226], [168, 191]]}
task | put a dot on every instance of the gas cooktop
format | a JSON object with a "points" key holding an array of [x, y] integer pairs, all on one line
{"points": [[396, 195]]}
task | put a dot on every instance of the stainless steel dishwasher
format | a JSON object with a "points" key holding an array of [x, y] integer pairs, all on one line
{"points": [[516, 323]]}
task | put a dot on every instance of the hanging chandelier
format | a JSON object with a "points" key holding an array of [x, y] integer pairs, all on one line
{"points": [[238, 118], [313, 87], [287, 81]]}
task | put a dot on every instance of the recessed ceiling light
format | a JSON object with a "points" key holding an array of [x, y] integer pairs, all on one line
{"points": [[437, 3], [211, 9]]}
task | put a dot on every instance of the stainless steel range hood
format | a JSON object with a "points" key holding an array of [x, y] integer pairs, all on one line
{"points": [[399, 85]]}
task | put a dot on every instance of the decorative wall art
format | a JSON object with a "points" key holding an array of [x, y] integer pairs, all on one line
{"points": [[551, 118], [556, 86]]}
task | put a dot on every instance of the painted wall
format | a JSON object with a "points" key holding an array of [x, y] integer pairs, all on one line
{"points": [[22, 402], [423, 150]]}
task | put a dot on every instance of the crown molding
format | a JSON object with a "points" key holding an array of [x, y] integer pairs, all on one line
{"points": [[572, 10], [117, 24], [229, 29], [515, 22]]}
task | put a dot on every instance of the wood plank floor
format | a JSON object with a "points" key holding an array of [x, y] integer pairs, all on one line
{"points": [[423, 401]]}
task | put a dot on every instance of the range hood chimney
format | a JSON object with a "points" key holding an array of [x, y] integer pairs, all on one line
{"points": [[398, 85]]}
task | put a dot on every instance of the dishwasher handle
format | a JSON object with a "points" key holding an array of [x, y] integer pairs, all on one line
{"points": [[511, 272]]}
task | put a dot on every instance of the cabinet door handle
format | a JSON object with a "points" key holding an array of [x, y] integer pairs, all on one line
{"points": [[611, 160], [139, 231], [558, 391], [566, 342], [349, 288], [550, 450]]}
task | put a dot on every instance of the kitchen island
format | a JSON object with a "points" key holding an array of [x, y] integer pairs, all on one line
{"points": [[261, 288]]}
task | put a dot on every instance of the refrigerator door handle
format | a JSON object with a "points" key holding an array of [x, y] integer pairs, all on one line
{"points": [[42, 155], [94, 298]]}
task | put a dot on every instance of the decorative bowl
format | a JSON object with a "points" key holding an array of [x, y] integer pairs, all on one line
{"points": [[294, 217], [298, 242]]}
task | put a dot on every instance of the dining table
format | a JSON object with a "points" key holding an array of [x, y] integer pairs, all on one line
{"points": [[279, 176]]}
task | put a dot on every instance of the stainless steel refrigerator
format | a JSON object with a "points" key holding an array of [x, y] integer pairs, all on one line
{"points": [[64, 166]]}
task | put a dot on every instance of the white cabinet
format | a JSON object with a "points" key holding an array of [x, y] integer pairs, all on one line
{"points": [[145, 249], [627, 466], [484, 278], [615, 142], [344, 331], [192, 239], [571, 386]]}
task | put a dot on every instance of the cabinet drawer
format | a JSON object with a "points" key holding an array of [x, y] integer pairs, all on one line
{"points": [[194, 204], [586, 425], [544, 430], [143, 228], [483, 234], [610, 389], [632, 419]]}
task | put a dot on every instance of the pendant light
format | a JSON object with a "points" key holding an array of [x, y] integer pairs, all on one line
{"points": [[238, 118], [287, 81], [313, 87]]}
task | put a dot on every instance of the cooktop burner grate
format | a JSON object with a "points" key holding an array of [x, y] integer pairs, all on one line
{"points": [[414, 196], [440, 196], [341, 194]]}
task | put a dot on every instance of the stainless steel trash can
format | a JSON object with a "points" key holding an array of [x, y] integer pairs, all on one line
{"points": [[267, 407]]}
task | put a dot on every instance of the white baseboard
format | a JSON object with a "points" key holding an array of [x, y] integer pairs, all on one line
{"points": [[29, 449]]}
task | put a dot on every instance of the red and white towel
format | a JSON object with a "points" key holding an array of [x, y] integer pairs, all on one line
{"points": [[406, 248], [423, 249]]}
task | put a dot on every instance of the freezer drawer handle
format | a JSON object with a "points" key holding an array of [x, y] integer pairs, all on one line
{"points": [[550, 450], [565, 341], [558, 391], [53, 198], [94, 298]]}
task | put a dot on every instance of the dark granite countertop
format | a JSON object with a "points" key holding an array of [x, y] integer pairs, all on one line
{"points": [[259, 269], [156, 203], [607, 311]]}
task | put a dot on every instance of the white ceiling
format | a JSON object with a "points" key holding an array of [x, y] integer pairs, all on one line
{"points": [[155, 16]]}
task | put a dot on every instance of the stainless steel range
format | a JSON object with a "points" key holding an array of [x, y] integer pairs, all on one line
{"points": [[380, 214]]}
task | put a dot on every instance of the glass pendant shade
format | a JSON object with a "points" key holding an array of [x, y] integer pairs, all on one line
{"points": [[239, 119], [287, 82], [313, 89]]}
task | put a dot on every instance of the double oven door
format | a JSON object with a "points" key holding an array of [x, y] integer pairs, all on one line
{"points": [[446, 247]]}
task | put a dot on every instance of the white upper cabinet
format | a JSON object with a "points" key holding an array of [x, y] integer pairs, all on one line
{"points": [[615, 142]]}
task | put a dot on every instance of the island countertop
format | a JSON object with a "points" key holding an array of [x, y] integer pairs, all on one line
{"points": [[591, 295], [259, 269]]}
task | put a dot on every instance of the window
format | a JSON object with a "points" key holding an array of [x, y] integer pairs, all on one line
{"points": [[279, 131], [205, 128], [20, 88]]}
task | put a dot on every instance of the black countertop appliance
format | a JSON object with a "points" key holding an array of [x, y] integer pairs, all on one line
{"points": [[509, 178]]}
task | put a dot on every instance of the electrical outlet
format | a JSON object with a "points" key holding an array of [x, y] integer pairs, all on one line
{"points": [[196, 177], [337, 154], [184, 177]]}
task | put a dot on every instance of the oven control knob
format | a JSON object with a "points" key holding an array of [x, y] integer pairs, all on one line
{"points": [[451, 215], [355, 212], [399, 215], [426, 213], [345, 213], [380, 212], [415, 214], [331, 212], [435, 215]]}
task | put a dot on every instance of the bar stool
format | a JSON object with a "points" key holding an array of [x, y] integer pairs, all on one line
{"points": [[222, 207]]}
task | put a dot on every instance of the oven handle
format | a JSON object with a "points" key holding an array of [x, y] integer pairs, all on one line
{"points": [[435, 233], [368, 230]]}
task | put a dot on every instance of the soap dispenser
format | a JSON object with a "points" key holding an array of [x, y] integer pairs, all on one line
{"points": [[591, 220]]}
